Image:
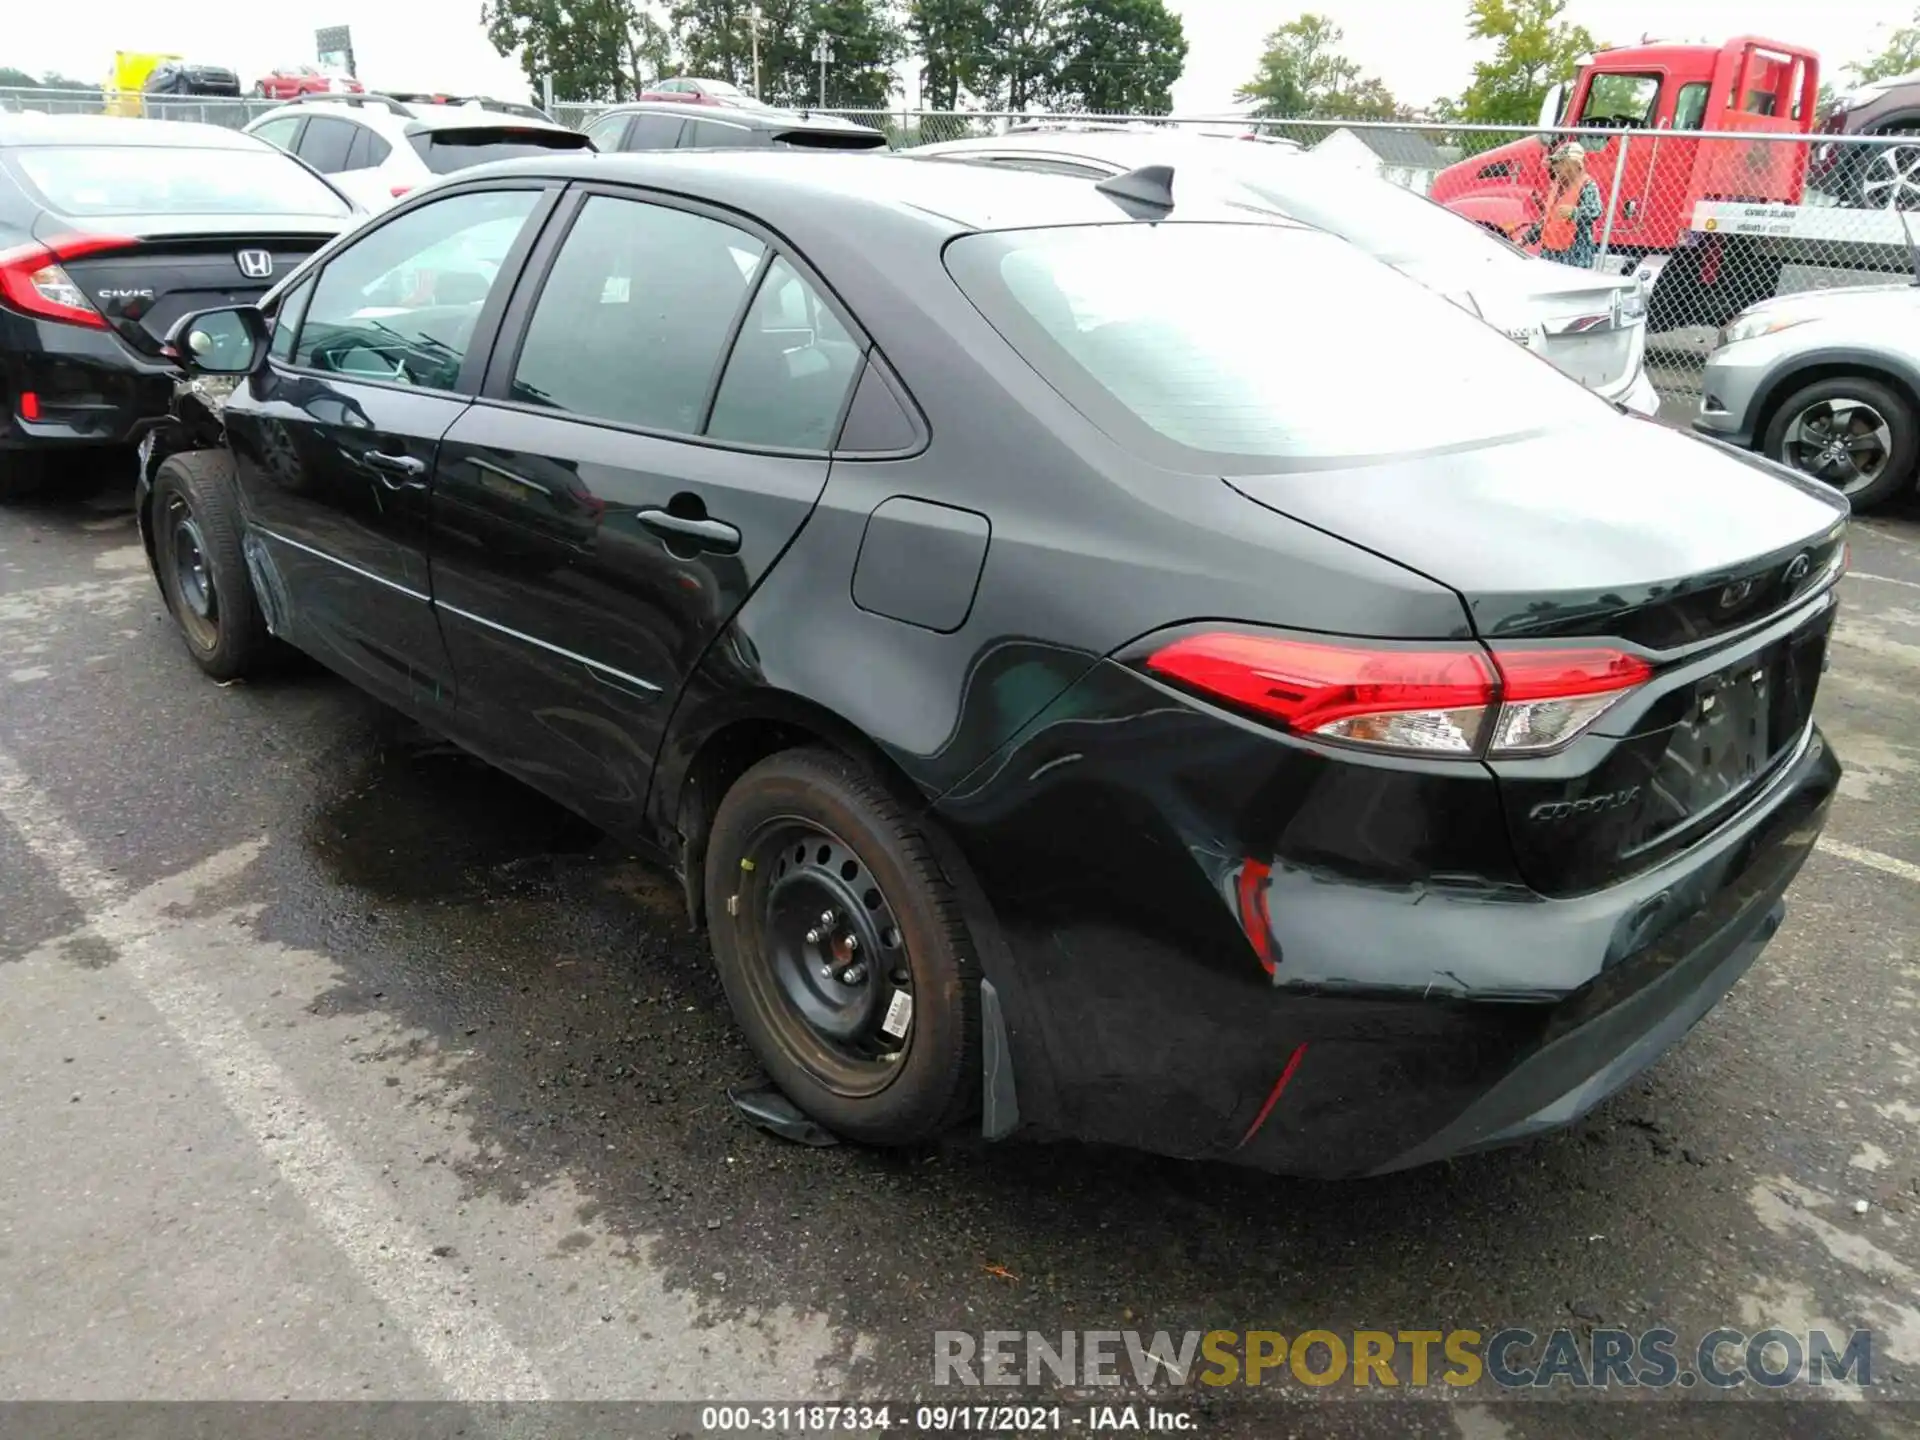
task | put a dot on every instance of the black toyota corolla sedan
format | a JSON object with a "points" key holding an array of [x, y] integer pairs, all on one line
{"points": [[1099, 665], [111, 230]]}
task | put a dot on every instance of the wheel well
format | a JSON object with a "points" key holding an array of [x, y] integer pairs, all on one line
{"points": [[739, 745], [1784, 387]]}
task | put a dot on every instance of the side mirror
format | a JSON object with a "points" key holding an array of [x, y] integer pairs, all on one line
{"points": [[221, 342]]}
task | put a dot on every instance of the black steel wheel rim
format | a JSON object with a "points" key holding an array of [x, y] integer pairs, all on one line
{"points": [[184, 561], [827, 958], [1845, 442]]}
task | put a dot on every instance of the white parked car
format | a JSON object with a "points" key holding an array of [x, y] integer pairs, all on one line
{"points": [[1592, 326], [376, 148]]}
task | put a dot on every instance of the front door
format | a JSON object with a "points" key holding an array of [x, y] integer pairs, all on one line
{"points": [[335, 443], [631, 471]]}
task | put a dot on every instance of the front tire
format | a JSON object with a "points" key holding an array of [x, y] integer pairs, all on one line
{"points": [[203, 574], [1849, 432], [833, 927]]}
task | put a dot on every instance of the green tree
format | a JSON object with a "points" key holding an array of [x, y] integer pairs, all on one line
{"points": [[715, 39], [1021, 66], [954, 39], [1120, 56], [1900, 57], [1533, 47], [12, 79], [592, 49], [1303, 75]]}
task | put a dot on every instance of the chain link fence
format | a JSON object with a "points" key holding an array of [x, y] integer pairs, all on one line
{"points": [[1710, 221]]}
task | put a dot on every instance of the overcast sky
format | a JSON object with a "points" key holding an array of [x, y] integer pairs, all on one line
{"points": [[1418, 47]]}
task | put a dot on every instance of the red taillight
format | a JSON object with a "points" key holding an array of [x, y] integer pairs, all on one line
{"points": [[29, 405], [1446, 700], [32, 282]]}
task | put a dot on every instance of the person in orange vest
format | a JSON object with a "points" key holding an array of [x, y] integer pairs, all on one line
{"points": [[1565, 231]]}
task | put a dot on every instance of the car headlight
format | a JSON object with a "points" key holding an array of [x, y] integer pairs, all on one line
{"points": [[1752, 327]]}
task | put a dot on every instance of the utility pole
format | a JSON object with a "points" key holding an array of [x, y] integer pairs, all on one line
{"points": [[753, 27], [823, 52]]}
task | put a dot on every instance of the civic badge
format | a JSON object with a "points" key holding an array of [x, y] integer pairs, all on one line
{"points": [[255, 264]]}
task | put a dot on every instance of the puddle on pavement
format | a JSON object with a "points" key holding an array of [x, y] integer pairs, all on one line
{"points": [[413, 817]]}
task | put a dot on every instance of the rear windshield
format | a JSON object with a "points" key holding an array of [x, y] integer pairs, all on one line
{"points": [[446, 151], [1248, 347], [151, 179]]}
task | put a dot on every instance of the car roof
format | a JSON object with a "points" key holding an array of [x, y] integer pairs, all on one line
{"points": [[1118, 146], [417, 116], [951, 199], [754, 117], [120, 131]]}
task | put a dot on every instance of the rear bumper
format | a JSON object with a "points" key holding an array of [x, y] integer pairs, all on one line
{"points": [[1401, 1022], [90, 388]]}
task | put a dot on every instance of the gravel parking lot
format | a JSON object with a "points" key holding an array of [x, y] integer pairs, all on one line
{"points": [[337, 1066]]}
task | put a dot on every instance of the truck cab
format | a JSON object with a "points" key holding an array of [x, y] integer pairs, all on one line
{"points": [[1749, 85]]}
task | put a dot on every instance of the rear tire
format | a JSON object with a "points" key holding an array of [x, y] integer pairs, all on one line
{"points": [[1875, 429], [195, 524], [811, 836]]}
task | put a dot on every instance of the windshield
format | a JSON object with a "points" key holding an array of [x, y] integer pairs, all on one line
{"points": [[152, 179], [446, 151], [1388, 221], [1246, 347]]}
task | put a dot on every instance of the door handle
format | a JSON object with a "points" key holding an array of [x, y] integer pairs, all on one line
{"points": [[398, 472], [714, 535]]}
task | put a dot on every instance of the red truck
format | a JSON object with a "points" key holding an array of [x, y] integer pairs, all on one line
{"points": [[1748, 85]]}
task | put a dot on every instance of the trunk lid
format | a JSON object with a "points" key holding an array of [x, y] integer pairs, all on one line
{"points": [[1715, 567], [174, 265]]}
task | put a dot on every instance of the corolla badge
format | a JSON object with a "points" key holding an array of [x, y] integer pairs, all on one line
{"points": [[1590, 805]]}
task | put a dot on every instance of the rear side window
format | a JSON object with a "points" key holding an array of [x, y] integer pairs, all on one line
{"points": [[400, 304], [653, 131], [326, 143], [1210, 367], [278, 132], [790, 370], [368, 149], [605, 132], [635, 314], [446, 151]]}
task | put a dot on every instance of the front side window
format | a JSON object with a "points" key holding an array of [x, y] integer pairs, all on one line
{"points": [[400, 305], [1212, 367], [635, 314], [1624, 102]]}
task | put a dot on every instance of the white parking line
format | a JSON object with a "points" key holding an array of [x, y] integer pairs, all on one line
{"points": [[475, 1359], [1872, 859], [1883, 579]]}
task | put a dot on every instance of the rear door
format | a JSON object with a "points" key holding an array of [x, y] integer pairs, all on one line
{"points": [[654, 430], [335, 444]]}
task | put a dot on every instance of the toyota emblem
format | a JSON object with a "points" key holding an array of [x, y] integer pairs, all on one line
{"points": [[1797, 569], [255, 264]]}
